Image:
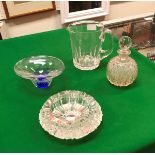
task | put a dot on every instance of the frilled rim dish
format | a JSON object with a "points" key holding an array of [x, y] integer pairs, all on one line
{"points": [[70, 129]]}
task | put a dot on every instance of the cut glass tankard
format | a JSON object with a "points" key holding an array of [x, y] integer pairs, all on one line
{"points": [[90, 43]]}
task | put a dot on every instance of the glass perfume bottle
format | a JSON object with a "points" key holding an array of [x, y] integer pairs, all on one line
{"points": [[122, 70]]}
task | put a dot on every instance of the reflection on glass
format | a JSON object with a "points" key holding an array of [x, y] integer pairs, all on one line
{"points": [[83, 5]]}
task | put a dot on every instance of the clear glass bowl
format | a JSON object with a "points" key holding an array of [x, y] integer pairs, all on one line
{"points": [[39, 69], [70, 115]]}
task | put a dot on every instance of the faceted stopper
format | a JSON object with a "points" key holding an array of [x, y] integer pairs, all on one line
{"points": [[125, 42]]}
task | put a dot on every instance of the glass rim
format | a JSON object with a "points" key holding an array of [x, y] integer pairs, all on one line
{"points": [[99, 24]]}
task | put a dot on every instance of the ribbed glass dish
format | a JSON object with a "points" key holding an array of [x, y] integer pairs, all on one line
{"points": [[39, 69], [70, 115]]}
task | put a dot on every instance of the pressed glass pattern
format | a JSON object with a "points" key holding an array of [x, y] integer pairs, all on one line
{"points": [[70, 115], [87, 39], [122, 70]]}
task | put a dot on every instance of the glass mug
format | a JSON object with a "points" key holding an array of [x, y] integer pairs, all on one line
{"points": [[90, 43]]}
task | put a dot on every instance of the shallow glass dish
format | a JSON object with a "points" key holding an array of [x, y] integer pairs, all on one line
{"points": [[39, 69], [70, 115]]}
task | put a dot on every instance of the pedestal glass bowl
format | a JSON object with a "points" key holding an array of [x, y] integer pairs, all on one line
{"points": [[70, 115], [39, 69]]}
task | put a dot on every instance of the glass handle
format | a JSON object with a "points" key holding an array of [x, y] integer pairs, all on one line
{"points": [[106, 43]]}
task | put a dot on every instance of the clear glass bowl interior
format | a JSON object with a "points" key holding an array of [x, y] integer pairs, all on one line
{"points": [[40, 69]]}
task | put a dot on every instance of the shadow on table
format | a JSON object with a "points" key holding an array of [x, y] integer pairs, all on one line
{"points": [[147, 149], [26, 86], [85, 139]]}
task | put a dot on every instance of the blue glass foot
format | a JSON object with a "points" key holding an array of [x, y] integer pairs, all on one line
{"points": [[42, 84]]}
